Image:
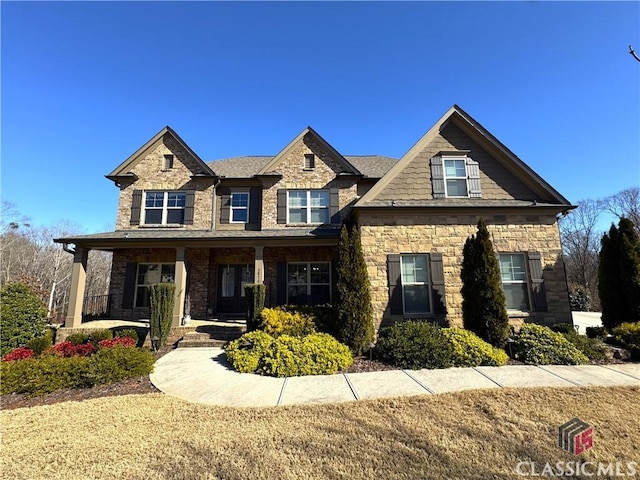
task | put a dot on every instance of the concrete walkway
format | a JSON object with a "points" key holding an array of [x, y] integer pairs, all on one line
{"points": [[202, 375]]}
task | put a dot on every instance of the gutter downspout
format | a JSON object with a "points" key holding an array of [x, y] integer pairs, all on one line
{"points": [[213, 212]]}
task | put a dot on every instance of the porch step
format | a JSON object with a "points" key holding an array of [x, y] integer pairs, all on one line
{"points": [[210, 336]]}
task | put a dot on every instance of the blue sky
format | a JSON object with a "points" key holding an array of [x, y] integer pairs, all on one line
{"points": [[85, 84]]}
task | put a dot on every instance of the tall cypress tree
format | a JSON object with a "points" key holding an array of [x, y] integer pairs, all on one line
{"points": [[619, 275], [353, 298], [484, 310]]}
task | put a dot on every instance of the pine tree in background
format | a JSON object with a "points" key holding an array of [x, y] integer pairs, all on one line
{"points": [[353, 298], [619, 275], [484, 310]]}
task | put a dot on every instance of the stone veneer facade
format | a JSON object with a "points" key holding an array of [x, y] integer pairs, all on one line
{"points": [[152, 176], [383, 234]]}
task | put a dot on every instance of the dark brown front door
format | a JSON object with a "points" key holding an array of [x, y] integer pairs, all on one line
{"points": [[231, 282]]}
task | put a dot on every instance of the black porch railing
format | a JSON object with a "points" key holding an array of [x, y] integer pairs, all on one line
{"points": [[96, 306]]}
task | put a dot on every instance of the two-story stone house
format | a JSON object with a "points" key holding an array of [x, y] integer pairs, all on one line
{"points": [[213, 227]]}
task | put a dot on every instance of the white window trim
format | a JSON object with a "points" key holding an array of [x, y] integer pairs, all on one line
{"points": [[137, 285], [165, 208], [444, 175], [309, 284], [526, 280], [232, 208], [409, 284], [308, 207]]}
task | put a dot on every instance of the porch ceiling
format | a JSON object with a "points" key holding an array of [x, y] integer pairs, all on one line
{"points": [[204, 238]]}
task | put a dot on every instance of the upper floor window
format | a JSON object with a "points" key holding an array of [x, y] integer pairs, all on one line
{"points": [[163, 208], [309, 161], [514, 281], [239, 207], [415, 284], [455, 174], [167, 163], [308, 206]]}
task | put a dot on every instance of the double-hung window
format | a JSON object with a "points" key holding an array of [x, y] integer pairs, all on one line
{"points": [[309, 283], [415, 284], [308, 206], [149, 274], [239, 207], [163, 208], [455, 176], [514, 281]]}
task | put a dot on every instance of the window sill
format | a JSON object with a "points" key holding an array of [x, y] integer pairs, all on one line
{"points": [[298, 225], [308, 169], [168, 225], [518, 313]]}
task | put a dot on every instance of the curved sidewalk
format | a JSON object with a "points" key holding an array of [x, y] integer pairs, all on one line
{"points": [[202, 375]]}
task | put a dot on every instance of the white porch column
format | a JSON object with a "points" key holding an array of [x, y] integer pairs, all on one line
{"points": [[181, 287], [76, 292], [258, 276]]}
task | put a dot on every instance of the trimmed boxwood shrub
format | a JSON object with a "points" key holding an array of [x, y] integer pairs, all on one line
{"points": [[539, 345], [323, 316], [417, 345], [278, 322], [287, 356], [78, 338], [563, 328], [245, 352], [96, 336], [596, 332], [593, 348], [40, 344], [469, 350], [628, 334], [127, 332], [48, 373], [23, 316]]}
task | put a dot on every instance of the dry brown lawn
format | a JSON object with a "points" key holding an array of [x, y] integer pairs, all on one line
{"points": [[477, 434]]}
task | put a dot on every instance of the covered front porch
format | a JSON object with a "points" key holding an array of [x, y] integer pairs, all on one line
{"points": [[210, 271]]}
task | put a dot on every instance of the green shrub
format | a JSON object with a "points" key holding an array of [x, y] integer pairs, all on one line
{"points": [[255, 293], [48, 373], [40, 344], [315, 354], [593, 348], [118, 362], [352, 293], [628, 334], [469, 350], [161, 302], [484, 310], [23, 316], [424, 345], [97, 336], [323, 316], [37, 376], [579, 299], [563, 328], [244, 353], [414, 345], [596, 332], [128, 332], [78, 338], [278, 322], [287, 356], [539, 345]]}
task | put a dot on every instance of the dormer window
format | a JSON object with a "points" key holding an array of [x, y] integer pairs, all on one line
{"points": [[309, 161], [167, 163]]}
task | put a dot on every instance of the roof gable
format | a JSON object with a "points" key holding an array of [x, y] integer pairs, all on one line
{"points": [[272, 166], [484, 139], [123, 170]]}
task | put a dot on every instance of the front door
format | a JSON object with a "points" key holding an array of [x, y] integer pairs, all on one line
{"points": [[231, 282]]}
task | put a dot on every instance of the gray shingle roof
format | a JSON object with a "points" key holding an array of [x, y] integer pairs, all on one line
{"points": [[371, 166]]}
